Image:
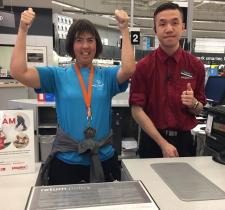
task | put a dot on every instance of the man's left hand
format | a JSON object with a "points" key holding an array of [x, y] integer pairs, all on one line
{"points": [[187, 97]]}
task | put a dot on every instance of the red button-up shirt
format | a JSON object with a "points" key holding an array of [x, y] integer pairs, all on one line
{"points": [[158, 83]]}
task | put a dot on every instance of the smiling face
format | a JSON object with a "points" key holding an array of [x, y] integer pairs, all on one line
{"points": [[84, 48], [169, 28]]}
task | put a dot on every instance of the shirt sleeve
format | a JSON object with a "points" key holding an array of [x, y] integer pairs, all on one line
{"points": [[138, 88], [115, 87], [47, 79], [200, 83]]}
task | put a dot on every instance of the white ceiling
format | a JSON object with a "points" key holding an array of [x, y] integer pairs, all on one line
{"points": [[208, 16]]}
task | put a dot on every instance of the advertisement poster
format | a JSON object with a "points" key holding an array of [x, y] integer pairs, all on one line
{"points": [[16, 142]]}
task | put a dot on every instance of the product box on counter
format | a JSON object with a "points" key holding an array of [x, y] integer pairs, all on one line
{"points": [[45, 97], [16, 142]]}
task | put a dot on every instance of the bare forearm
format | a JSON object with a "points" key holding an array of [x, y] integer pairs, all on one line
{"points": [[127, 54], [168, 150], [18, 65], [147, 125]]}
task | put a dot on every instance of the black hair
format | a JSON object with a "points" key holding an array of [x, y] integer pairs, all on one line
{"points": [[77, 28], [167, 6]]}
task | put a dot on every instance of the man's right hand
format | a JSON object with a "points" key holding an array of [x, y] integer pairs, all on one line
{"points": [[27, 18], [169, 150]]}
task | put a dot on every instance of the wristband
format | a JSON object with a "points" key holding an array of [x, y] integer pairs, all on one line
{"points": [[196, 104]]}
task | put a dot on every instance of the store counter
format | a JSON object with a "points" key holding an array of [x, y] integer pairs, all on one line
{"points": [[200, 136], [15, 189], [11, 90], [140, 169]]}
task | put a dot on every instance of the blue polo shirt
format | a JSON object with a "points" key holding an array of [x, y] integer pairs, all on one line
{"points": [[71, 108]]}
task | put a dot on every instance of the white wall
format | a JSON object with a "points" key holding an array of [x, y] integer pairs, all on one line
{"points": [[46, 41]]}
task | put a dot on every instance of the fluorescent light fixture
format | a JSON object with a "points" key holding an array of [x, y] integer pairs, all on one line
{"points": [[109, 17], [181, 3], [150, 28], [88, 12], [143, 18], [67, 5], [140, 28], [103, 14], [213, 2], [209, 31], [61, 4], [208, 21]]}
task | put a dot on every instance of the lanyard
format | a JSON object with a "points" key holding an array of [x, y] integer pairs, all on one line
{"points": [[86, 94]]}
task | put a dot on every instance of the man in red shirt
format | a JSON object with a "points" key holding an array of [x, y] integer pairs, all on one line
{"points": [[167, 90]]}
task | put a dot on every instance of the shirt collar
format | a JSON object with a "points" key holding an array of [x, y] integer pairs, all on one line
{"points": [[164, 57]]}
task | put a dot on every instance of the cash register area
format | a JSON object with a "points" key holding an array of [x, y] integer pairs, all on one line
{"points": [[184, 183]]}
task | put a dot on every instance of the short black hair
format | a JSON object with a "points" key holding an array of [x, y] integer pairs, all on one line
{"points": [[77, 28], [167, 6]]}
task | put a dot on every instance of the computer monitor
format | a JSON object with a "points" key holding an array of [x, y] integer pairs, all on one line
{"points": [[215, 89], [138, 54], [116, 53], [107, 52]]}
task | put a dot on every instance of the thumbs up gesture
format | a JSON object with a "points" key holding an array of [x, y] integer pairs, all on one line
{"points": [[26, 19], [187, 96]]}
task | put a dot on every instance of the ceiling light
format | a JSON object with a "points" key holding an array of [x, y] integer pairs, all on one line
{"points": [[181, 3], [103, 14], [87, 12], [61, 4], [213, 2], [143, 18], [109, 17], [67, 5], [139, 27], [150, 28]]}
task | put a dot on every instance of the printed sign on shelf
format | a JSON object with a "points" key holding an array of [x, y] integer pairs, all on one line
{"points": [[16, 142]]}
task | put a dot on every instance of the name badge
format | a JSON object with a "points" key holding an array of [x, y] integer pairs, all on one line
{"points": [[186, 74]]}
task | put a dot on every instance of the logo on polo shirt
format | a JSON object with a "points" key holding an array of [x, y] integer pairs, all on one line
{"points": [[98, 84]]}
